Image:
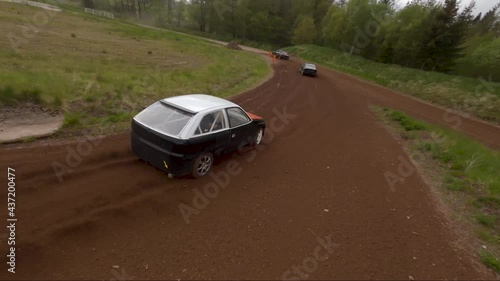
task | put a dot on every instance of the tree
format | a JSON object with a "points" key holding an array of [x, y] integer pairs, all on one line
{"points": [[334, 27], [88, 4], [405, 34], [443, 43], [305, 32], [180, 9], [425, 34]]}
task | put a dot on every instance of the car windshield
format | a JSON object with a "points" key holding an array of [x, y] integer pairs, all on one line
{"points": [[164, 118]]}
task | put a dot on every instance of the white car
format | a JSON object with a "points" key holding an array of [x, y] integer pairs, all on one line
{"points": [[308, 69]]}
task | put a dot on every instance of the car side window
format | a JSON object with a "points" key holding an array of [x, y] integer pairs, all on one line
{"points": [[237, 117], [211, 122]]}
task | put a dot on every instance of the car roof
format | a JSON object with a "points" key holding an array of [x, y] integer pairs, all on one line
{"points": [[311, 65], [197, 103]]}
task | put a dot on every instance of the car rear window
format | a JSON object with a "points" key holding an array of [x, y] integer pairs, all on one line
{"points": [[164, 118]]}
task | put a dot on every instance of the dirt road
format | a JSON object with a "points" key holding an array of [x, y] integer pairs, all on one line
{"points": [[312, 202]]}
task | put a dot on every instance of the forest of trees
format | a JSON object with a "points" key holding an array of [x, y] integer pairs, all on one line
{"points": [[425, 34]]}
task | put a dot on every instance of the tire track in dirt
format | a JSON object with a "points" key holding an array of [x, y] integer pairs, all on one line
{"points": [[322, 174]]}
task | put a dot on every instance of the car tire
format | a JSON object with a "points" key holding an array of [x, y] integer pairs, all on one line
{"points": [[202, 165], [258, 137]]}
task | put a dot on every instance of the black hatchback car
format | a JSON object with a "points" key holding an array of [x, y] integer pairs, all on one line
{"points": [[181, 135], [281, 55]]}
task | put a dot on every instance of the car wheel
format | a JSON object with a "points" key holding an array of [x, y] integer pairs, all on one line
{"points": [[302, 73], [202, 165], [258, 137]]}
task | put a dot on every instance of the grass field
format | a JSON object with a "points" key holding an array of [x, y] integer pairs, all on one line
{"points": [[98, 70], [475, 96], [465, 172]]}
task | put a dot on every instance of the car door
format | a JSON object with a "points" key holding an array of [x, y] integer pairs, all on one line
{"points": [[212, 133], [241, 128]]}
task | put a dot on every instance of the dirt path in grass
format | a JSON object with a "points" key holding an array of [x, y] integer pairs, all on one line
{"points": [[245, 48], [35, 4], [312, 202], [28, 121]]}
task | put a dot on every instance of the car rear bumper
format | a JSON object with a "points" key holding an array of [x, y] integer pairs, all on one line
{"points": [[309, 72], [177, 165]]}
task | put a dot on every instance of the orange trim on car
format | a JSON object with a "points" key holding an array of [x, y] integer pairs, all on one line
{"points": [[254, 117]]}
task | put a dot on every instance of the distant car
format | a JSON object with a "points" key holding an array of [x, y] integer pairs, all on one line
{"points": [[281, 54], [308, 69], [182, 135]]}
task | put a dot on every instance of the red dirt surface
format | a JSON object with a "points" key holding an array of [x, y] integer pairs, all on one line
{"points": [[319, 173]]}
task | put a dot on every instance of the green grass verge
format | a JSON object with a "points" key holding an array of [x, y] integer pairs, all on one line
{"points": [[490, 260], [100, 71], [475, 96], [467, 170]]}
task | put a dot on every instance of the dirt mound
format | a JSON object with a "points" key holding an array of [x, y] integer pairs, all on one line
{"points": [[234, 46], [28, 121]]}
